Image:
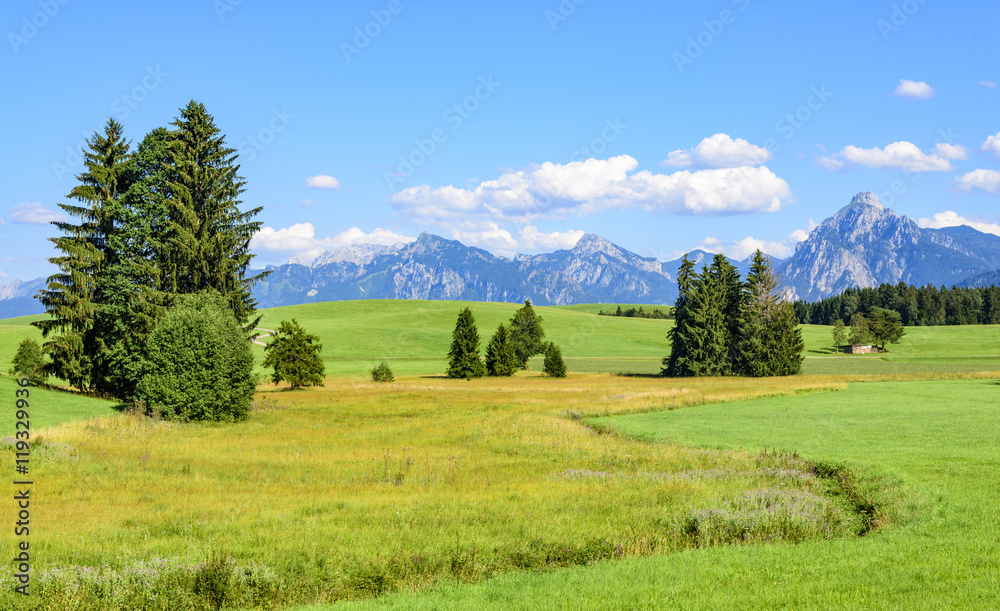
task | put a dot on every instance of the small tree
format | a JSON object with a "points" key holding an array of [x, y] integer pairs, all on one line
{"points": [[198, 363], [382, 373], [500, 358], [554, 365], [886, 326], [29, 362], [463, 357], [526, 334], [294, 355], [861, 334], [839, 333]]}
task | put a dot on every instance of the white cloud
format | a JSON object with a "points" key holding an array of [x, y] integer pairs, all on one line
{"points": [[718, 151], [527, 239], [35, 214], [741, 249], [984, 180], [308, 202], [950, 218], [992, 146], [300, 240], [554, 190], [532, 239], [989, 84], [914, 89], [322, 181], [950, 151], [355, 236], [896, 156]]}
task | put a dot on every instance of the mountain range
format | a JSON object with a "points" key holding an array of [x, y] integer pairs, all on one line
{"points": [[863, 244]]}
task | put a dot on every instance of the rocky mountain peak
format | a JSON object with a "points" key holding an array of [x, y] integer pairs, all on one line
{"points": [[867, 198]]}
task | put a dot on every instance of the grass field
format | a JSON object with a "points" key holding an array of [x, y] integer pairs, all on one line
{"points": [[433, 493]]}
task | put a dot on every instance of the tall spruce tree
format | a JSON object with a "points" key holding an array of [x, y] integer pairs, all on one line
{"points": [[500, 358], [206, 244], [526, 334], [727, 278], [770, 341], [707, 336], [72, 296], [676, 364], [463, 357]]}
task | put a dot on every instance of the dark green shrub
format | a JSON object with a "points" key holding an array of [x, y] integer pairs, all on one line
{"points": [[382, 373], [198, 363], [554, 365], [212, 580], [29, 362]]}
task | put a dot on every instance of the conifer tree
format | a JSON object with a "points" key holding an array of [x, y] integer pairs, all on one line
{"points": [[770, 341], [676, 364], [72, 296], [554, 365], [463, 357], [500, 357], [526, 334], [707, 337], [206, 243], [727, 278], [294, 356]]}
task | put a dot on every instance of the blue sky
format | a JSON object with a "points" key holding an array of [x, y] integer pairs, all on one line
{"points": [[516, 127]]}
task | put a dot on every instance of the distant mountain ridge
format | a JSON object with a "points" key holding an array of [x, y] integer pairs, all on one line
{"points": [[864, 244], [432, 267]]}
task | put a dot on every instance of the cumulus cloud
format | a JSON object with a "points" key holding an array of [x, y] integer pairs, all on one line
{"points": [[984, 180], [718, 151], [322, 181], [992, 146], [527, 239], [741, 249], [950, 218], [35, 214], [896, 156], [914, 89], [300, 240], [553, 190], [989, 84]]}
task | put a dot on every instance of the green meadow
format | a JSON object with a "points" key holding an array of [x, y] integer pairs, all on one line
{"points": [[868, 482]]}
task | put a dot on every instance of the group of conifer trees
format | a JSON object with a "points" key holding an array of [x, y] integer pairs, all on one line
{"points": [[149, 224], [725, 326], [508, 351]]}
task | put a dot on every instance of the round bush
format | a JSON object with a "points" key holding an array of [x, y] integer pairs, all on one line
{"points": [[198, 363]]}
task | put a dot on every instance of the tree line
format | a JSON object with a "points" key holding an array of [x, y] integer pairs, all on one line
{"points": [[727, 326], [635, 312], [923, 306]]}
